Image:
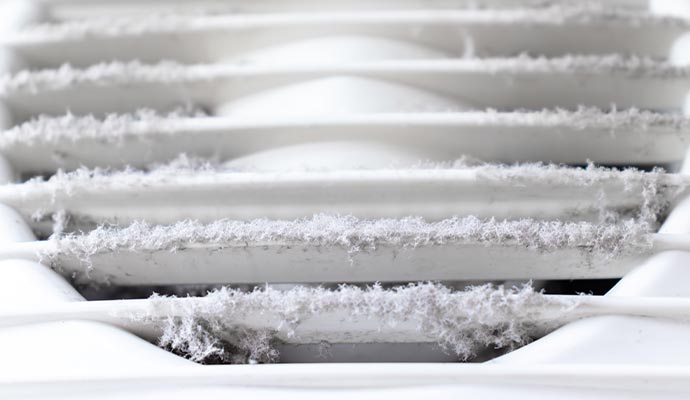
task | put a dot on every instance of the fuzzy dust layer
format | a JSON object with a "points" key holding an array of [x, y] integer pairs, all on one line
{"points": [[113, 128], [66, 184], [652, 191], [118, 73], [145, 123], [210, 329], [359, 235]]}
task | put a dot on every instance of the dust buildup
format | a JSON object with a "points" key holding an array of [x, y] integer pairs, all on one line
{"points": [[356, 235], [119, 73], [460, 321], [145, 123], [113, 128], [196, 340]]}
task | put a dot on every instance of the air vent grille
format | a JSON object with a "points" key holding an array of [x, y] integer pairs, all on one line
{"points": [[345, 181]]}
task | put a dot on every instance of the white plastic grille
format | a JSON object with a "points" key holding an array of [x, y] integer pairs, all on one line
{"points": [[349, 181]]}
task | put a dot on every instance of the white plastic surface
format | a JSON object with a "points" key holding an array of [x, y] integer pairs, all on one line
{"points": [[32, 284], [329, 156], [447, 391], [609, 340], [664, 275], [677, 220], [564, 381], [671, 8], [18, 14], [339, 95], [14, 228], [78, 349], [680, 52], [337, 49]]}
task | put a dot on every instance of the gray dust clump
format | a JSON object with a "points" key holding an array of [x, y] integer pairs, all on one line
{"points": [[211, 327]]}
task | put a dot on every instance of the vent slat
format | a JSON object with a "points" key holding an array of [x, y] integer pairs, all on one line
{"points": [[615, 138], [504, 84], [264, 38], [189, 262], [530, 191], [146, 317]]}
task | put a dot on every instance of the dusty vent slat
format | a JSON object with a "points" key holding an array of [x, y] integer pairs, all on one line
{"points": [[209, 192], [349, 250], [505, 84], [67, 142], [294, 38]]}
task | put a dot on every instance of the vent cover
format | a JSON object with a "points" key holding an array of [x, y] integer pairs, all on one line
{"points": [[406, 196]]}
